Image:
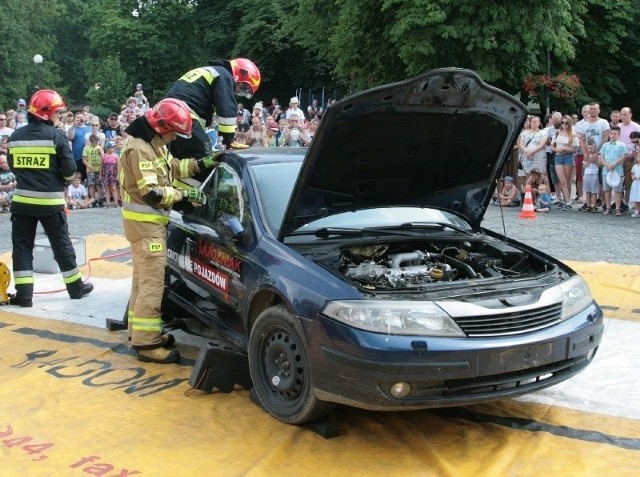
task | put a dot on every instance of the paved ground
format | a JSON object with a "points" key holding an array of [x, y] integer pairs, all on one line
{"points": [[567, 235]]}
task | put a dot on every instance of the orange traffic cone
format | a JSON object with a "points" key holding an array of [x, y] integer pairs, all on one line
{"points": [[528, 212]]}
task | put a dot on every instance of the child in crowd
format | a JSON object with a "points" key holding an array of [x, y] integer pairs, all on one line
{"points": [[120, 140], [590, 185], [509, 195], [612, 156], [142, 103], [544, 199], [110, 175], [132, 108], [534, 180], [77, 197], [92, 159], [634, 195]]}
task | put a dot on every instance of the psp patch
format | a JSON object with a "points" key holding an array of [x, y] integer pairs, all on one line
{"points": [[146, 166], [31, 161], [155, 247]]}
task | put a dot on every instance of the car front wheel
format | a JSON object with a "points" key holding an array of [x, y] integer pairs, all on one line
{"points": [[279, 365]]}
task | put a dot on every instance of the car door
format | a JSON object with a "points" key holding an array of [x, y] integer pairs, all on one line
{"points": [[215, 249]]}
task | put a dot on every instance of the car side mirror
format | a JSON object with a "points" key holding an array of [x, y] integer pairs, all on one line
{"points": [[232, 228]]}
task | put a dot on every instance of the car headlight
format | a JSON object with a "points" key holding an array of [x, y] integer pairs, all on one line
{"points": [[576, 296], [394, 318]]}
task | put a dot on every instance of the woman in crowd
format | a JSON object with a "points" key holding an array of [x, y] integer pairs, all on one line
{"points": [[564, 145], [531, 144]]}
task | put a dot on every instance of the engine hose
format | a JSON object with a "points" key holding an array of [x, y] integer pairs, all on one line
{"points": [[106, 257], [470, 271]]}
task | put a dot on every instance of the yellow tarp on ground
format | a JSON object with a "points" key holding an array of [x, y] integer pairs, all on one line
{"points": [[615, 287], [74, 401]]}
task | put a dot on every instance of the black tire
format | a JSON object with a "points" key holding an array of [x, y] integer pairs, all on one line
{"points": [[284, 390]]}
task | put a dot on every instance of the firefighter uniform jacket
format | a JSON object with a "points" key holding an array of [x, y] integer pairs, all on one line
{"points": [[145, 166], [207, 89], [148, 170], [41, 159]]}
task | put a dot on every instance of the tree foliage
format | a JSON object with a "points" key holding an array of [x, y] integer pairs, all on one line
{"points": [[340, 45]]}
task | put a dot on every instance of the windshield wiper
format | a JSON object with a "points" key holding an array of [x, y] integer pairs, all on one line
{"points": [[440, 225], [327, 231]]}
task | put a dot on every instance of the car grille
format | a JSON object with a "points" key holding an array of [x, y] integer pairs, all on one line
{"points": [[510, 323]]}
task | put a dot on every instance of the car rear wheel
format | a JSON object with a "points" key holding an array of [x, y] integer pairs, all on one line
{"points": [[279, 365]]}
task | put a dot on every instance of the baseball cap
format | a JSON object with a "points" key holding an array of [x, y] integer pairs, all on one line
{"points": [[21, 102], [508, 179], [294, 99], [273, 126], [113, 115], [110, 144]]}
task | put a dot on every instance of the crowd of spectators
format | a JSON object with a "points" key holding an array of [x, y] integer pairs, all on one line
{"points": [[274, 125], [97, 142], [600, 158], [588, 153]]}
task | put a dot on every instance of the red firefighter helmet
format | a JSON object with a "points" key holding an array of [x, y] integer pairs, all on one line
{"points": [[168, 115], [44, 103], [246, 75]]}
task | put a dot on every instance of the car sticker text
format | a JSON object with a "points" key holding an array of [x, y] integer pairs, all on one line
{"points": [[213, 277], [211, 252]]}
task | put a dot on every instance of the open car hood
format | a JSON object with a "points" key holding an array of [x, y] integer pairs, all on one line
{"points": [[437, 140]]}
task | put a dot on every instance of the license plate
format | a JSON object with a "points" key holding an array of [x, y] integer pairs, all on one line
{"points": [[523, 358]]}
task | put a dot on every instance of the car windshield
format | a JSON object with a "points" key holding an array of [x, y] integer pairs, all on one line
{"points": [[274, 184]]}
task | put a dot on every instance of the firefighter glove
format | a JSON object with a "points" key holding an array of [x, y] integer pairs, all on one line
{"points": [[195, 196], [210, 161]]}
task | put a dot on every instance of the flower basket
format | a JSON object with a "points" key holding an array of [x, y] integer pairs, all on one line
{"points": [[563, 85]]}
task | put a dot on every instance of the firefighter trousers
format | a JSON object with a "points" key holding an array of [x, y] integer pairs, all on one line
{"points": [[23, 235], [148, 252]]}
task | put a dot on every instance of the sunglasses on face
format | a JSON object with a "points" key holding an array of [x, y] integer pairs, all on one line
{"points": [[564, 122]]}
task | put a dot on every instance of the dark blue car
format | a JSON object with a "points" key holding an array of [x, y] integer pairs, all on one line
{"points": [[356, 272]]}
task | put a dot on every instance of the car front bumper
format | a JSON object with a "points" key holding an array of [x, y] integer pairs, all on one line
{"points": [[359, 368]]}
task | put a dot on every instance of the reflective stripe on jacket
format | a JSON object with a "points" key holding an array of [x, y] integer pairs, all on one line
{"points": [[145, 166], [207, 89], [41, 159]]}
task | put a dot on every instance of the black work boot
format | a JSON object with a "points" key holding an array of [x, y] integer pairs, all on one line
{"points": [[26, 302], [81, 292], [157, 355]]}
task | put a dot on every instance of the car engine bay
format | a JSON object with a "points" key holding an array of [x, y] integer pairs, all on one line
{"points": [[398, 266]]}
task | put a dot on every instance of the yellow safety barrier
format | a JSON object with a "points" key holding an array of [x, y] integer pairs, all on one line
{"points": [[5, 280]]}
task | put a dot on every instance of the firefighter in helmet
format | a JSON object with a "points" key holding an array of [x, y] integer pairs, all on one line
{"points": [[147, 172], [41, 159], [211, 89]]}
